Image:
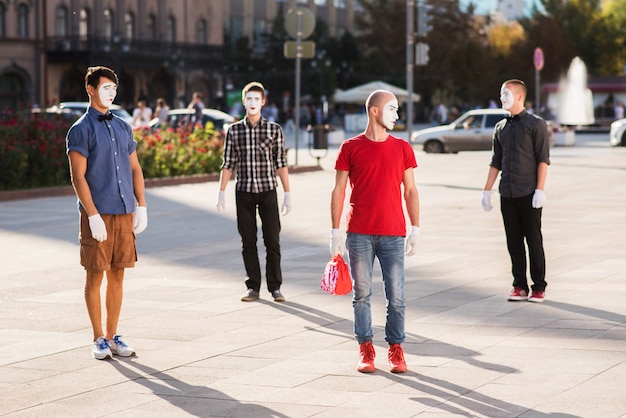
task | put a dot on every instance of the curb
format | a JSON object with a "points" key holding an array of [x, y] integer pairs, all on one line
{"points": [[24, 194]]}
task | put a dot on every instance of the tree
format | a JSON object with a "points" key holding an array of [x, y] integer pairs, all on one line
{"points": [[383, 36]]}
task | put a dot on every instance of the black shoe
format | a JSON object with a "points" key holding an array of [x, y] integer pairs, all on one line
{"points": [[250, 295], [278, 297]]}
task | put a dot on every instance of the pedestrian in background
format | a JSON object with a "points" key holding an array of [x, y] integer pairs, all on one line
{"points": [[109, 184], [142, 115], [521, 153], [198, 106], [255, 147], [162, 110], [378, 166]]}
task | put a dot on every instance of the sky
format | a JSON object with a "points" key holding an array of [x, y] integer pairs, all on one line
{"points": [[485, 6]]}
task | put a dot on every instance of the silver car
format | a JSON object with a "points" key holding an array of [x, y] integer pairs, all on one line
{"points": [[473, 131]]}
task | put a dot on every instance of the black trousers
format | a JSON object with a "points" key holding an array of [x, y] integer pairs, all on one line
{"points": [[523, 222], [267, 205]]}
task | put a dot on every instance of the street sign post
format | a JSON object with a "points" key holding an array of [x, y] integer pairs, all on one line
{"points": [[538, 61], [299, 24]]}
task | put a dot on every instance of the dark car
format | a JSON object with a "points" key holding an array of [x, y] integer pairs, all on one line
{"points": [[180, 117]]}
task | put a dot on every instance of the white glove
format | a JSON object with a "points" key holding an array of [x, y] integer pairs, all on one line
{"points": [[221, 202], [539, 199], [411, 241], [486, 202], [337, 245], [286, 204], [141, 219], [98, 228]]}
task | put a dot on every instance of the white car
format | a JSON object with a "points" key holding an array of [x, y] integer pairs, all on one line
{"points": [[473, 131], [78, 108], [617, 137]]}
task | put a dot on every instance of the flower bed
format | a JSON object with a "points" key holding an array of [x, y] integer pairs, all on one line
{"points": [[32, 150]]}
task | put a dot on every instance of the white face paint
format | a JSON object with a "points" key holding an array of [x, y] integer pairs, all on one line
{"points": [[253, 102], [507, 98], [390, 113], [107, 93]]}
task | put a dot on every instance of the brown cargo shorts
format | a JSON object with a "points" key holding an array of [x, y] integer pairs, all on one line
{"points": [[116, 252]]}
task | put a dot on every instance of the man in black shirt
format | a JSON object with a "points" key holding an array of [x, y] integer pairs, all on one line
{"points": [[521, 152]]}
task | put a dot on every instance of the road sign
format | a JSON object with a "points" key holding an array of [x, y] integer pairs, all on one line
{"points": [[307, 22], [538, 59], [307, 49], [421, 53]]}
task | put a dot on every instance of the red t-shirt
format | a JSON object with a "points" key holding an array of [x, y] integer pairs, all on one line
{"points": [[376, 171]]}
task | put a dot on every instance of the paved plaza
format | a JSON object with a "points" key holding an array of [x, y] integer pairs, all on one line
{"points": [[204, 353]]}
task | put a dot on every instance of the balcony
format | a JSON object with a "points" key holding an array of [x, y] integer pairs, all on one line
{"points": [[136, 52]]}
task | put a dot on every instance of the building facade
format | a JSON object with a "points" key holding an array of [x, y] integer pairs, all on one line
{"points": [[158, 48]]}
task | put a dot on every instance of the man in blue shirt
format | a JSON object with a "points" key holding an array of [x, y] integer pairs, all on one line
{"points": [[521, 153], [109, 184]]}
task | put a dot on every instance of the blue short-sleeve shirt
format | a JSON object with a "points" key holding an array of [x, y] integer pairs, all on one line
{"points": [[107, 145]]}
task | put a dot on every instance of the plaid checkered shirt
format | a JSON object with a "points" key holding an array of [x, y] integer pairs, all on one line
{"points": [[255, 152]]}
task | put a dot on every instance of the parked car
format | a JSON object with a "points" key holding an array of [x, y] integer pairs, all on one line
{"points": [[617, 135], [180, 117], [76, 109], [472, 131]]}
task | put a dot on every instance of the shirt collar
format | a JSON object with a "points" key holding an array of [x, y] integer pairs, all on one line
{"points": [[93, 112]]}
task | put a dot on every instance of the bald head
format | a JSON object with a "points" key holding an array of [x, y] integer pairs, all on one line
{"points": [[378, 98]]}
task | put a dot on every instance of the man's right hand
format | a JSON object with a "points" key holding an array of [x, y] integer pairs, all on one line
{"points": [[98, 228], [486, 201], [337, 245], [220, 204]]}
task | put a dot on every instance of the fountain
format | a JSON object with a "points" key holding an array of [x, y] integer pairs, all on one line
{"points": [[575, 107], [575, 101]]}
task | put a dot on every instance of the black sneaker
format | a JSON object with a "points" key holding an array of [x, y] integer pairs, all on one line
{"points": [[250, 295], [278, 297]]}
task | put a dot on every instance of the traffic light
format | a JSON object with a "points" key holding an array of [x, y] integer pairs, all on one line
{"points": [[423, 19]]}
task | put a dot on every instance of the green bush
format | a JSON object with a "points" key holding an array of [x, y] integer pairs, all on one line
{"points": [[33, 153]]}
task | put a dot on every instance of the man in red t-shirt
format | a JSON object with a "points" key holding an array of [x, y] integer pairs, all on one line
{"points": [[379, 166]]}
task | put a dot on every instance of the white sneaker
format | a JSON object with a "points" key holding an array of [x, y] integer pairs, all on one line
{"points": [[100, 349], [119, 347]]}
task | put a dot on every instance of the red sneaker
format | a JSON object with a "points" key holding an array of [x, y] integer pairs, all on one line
{"points": [[366, 358], [518, 294], [537, 296], [396, 359]]}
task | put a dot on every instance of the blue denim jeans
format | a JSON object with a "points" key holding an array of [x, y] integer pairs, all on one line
{"points": [[389, 250]]}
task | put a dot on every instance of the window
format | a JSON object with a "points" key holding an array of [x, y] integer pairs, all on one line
{"points": [[260, 35], [340, 4], [129, 25], [22, 21], [60, 22], [83, 24], [12, 90], [108, 24], [201, 32], [171, 29], [320, 3], [3, 14], [152, 34], [492, 120]]}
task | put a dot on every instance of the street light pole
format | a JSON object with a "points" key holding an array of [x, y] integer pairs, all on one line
{"points": [[410, 5]]}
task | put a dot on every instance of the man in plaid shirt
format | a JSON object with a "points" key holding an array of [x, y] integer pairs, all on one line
{"points": [[255, 147]]}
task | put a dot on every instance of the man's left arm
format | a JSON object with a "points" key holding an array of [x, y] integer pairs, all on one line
{"points": [[411, 198], [139, 188]]}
